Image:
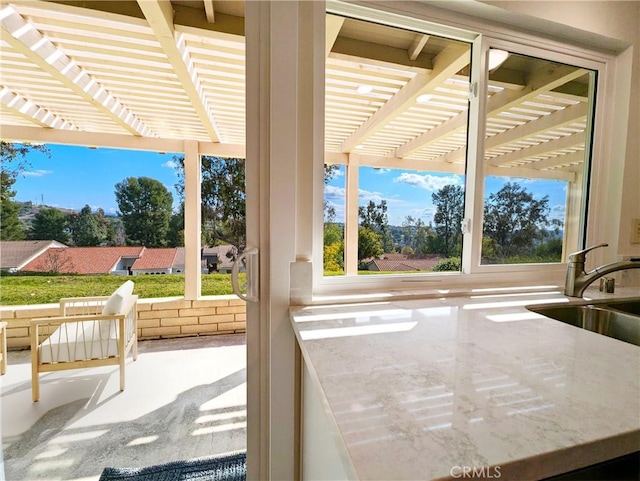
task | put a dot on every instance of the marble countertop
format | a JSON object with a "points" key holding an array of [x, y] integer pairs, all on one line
{"points": [[421, 389]]}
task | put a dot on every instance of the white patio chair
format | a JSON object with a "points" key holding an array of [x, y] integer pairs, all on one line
{"points": [[90, 332]]}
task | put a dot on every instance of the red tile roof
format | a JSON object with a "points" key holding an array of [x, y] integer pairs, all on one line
{"points": [[404, 263], [15, 253], [156, 259], [81, 260]]}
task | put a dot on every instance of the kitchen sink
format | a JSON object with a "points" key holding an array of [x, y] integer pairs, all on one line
{"points": [[631, 307], [615, 320]]}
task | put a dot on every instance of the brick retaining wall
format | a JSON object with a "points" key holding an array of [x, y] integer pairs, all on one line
{"points": [[157, 318]]}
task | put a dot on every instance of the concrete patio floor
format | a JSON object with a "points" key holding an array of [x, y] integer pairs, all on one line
{"points": [[184, 398]]}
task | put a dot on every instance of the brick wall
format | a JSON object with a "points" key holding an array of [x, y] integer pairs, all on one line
{"points": [[157, 318]]}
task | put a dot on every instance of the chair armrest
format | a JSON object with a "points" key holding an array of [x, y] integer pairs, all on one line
{"points": [[63, 319], [84, 298]]}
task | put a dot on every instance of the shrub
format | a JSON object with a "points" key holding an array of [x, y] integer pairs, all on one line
{"points": [[449, 264]]}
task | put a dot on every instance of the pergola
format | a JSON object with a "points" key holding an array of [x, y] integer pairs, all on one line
{"points": [[170, 76]]}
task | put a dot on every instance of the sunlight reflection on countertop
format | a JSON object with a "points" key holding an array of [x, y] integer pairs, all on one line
{"points": [[417, 387]]}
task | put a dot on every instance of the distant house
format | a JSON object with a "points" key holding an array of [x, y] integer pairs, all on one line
{"points": [[217, 259], [404, 263], [86, 260], [119, 260], [155, 261], [14, 255]]}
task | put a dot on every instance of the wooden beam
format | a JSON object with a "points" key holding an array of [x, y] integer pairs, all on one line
{"points": [[12, 133], [417, 44], [361, 51], [555, 120], [572, 158], [209, 11], [28, 41], [334, 24], [526, 173], [159, 14], [29, 111], [541, 81], [543, 148], [447, 63]]}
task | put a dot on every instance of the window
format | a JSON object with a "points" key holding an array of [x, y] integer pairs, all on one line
{"points": [[537, 138], [440, 162]]}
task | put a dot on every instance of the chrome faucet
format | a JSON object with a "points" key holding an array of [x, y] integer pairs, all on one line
{"points": [[578, 280]]}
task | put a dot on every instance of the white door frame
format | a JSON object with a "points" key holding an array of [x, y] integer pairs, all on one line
{"points": [[285, 121]]}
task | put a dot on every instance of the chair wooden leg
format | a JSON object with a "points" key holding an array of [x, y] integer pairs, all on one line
{"points": [[122, 360], [35, 382], [135, 347]]}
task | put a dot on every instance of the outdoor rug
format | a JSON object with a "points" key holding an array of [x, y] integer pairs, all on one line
{"points": [[227, 467]]}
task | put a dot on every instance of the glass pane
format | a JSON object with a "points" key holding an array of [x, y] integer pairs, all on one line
{"points": [[396, 111], [409, 221], [536, 156], [333, 254]]}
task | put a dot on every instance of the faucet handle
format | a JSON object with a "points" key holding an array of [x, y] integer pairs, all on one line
{"points": [[580, 256]]}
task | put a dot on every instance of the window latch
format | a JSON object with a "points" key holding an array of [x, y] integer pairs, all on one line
{"points": [[473, 90], [466, 226]]}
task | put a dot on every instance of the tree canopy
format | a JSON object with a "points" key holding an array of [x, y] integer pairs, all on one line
{"points": [[13, 161], [145, 208], [514, 219], [223, 200], [50, 224], [449, 203]]}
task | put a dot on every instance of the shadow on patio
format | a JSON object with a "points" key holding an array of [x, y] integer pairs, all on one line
{"points": [[184, 398]]}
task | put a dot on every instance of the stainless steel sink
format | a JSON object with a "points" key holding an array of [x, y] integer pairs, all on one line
{"points": [[630, 307], [607, 319]]}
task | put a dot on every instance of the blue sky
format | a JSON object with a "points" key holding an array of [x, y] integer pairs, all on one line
{"points": [[77, 176], [409, 192]]}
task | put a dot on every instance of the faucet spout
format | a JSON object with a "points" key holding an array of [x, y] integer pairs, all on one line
{"points": [[578, 280]]}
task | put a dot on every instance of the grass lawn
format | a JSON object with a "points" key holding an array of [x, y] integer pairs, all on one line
{"points": [[19, 290]]}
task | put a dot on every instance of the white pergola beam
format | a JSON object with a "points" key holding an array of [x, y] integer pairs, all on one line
{"points": [[551, 162], [540, 82], [418, 43], [543, 148], [527, 173], [27, 40], [11, 133], [446, 64], [334, 24], [209, 11], [32, 112], [159, 14], [555, 120]]}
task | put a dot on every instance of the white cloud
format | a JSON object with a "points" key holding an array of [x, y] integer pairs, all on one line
{"points": [[332, 192], [170, 164], [37, 173], [367, 195], [428, 181], [380, 171]]}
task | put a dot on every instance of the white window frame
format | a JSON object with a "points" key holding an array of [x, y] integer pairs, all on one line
{"points": [[483, 35]]}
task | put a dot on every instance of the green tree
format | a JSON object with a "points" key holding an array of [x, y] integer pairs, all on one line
{"points": [[50, 224], [374, 217], [449, 202], [223, 200], [145, 208], [13, 161], [176, 228], [84, 227], [369, 243], [10, 225], [514, 219]]}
